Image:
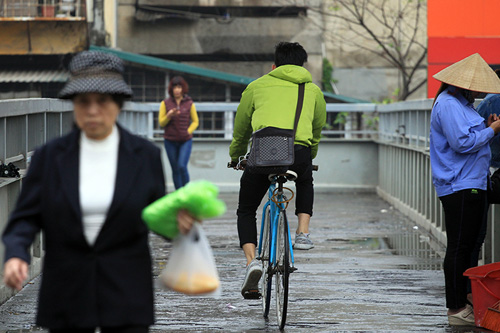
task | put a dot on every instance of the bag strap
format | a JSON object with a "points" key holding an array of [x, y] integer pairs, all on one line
{"points": [[300, 102]]}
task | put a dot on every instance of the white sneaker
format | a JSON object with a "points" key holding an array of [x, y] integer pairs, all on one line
{"points": [[463, 318], [250, 287], [303, 242]]}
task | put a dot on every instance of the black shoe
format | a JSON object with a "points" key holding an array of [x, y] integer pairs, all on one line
{"points": [[252, 294]]}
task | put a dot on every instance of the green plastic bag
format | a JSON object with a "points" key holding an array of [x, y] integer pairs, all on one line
{"points": [[199, 198]]}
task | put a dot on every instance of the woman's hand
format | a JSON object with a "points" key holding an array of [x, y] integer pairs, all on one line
{"points": [[494, 123], [185, 221], [15, 272], [492, 118], [172, 113]]}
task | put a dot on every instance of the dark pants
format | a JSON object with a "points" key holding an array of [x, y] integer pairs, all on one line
{"points": [[178, 155], [122, 329], [479, 243], [253, 187], [464, 215]]}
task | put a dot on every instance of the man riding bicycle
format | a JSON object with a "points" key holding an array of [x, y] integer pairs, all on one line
{"points": [[271, 101]]}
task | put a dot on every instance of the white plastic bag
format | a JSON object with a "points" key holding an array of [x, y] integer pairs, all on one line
{"points": [[191, 266]]}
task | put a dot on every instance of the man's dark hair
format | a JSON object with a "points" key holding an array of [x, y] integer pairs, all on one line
{"points": [[289, 54]]}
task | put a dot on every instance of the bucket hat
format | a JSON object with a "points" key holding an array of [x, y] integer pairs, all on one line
{"points": [[471, 73], [95, 72]]}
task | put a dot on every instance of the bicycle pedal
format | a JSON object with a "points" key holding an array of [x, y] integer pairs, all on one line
{"points": [[252, 294], [293, 269]]}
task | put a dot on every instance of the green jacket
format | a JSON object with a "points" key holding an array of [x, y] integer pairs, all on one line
{"points": [[271, 100]]}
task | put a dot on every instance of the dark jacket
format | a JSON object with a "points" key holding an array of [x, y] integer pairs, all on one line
{"points": [[177, 128], [110, 283]]}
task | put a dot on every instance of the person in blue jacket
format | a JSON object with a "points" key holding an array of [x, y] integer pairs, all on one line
{"points": [[460, 158], [489, 106]]}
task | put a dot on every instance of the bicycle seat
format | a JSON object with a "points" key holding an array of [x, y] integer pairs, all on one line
{"points": [[289, 174]]}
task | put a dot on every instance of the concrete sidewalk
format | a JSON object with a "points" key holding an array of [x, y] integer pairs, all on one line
{"points": [[350, 281]]}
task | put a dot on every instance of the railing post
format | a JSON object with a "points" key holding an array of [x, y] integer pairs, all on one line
{"points": [[150, 121], [228, 125], [4, 139]]}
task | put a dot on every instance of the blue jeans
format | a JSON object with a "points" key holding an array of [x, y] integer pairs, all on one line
{"points": [[178, 155]]}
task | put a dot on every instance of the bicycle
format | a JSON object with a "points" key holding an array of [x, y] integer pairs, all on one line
{"points": [[274, 248]]}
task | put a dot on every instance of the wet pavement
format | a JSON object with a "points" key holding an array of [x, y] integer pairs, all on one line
{"points": [[371, 270]]}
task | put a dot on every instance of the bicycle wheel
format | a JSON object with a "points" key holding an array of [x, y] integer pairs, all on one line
{"points": [[266, 279], [282, 269]]}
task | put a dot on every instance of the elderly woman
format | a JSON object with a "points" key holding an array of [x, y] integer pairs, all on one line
{"points": [[460, 157], [86, 191], [179, 118]]}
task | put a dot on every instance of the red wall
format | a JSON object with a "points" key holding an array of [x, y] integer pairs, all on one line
{"points": [[458, 28]]}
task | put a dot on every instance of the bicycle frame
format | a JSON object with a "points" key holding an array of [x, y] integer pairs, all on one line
{"points": [[274, 213], [274, 247]]}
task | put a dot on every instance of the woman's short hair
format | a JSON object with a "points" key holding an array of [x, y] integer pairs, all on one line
{"points": [[178, 81]]}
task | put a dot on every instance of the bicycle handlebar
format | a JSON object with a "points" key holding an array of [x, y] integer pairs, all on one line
{"points": [[233, 165]]}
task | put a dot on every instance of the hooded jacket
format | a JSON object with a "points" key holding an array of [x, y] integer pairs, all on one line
{"points": [[271, 100]]}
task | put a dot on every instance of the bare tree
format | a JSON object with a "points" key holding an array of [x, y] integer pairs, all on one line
{"points": [[390, 29]]}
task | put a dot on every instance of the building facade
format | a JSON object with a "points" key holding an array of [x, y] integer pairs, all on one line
{"points": [[455, 33], [36, 37]]}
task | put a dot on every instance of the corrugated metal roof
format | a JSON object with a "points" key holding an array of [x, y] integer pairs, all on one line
{"points": [[33, 76], [175, 66], [209, 73]]}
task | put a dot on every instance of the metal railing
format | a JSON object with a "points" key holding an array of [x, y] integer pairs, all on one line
{"points": [[404, 165], [344, 121], [405, 177], [26, 124], [397, 132]]}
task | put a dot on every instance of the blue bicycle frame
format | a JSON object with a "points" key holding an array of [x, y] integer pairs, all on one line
{"points": [[274, 214]]}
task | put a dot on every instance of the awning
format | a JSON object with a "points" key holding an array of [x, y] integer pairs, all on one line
{"points": [[159, 63], [33, 76], [175, 66]]}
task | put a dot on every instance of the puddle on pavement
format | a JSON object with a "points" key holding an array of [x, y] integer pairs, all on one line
{"points": [[428, 254]]}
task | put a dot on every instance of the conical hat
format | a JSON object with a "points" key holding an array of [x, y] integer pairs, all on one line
{"points": [[471, 73]]}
